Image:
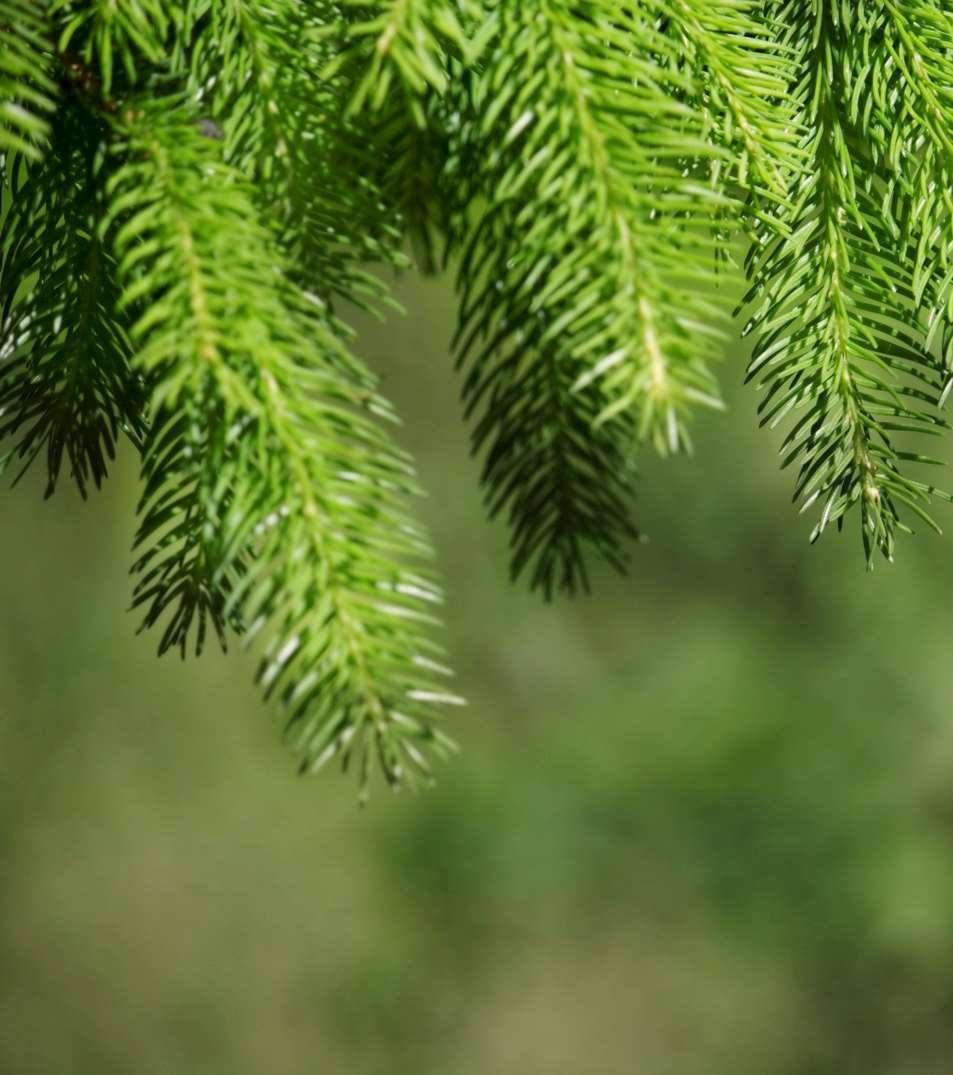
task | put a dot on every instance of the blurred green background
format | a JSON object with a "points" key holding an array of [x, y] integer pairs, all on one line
{"points": [[702, 823]]}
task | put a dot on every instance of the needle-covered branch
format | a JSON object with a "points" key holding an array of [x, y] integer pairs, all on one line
{"points": [[194, 193], [273, 496]]}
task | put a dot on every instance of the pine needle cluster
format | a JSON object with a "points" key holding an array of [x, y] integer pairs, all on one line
{"points": [[192, 195]]}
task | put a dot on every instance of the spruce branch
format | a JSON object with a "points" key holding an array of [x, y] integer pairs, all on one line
{"points": [[901, 90], [27, 85], [254, 67], [592, 144], [399, 65], [120, 42], [587, 271], [744, 73], [66, 387], [276, 498], [841, 347], [405, 48], [192, 193]]}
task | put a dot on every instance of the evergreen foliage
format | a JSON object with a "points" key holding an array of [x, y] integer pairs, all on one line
{"points": [[849, 298], [193, 192], [27, 87]]}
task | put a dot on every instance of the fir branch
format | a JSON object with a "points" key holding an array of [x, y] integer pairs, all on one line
{"points": [[253, 65], [118, 42], [841, 340], [901, 82], [404, 47], [65, 383], [732, 48], [27, 87], [400, 65], [418, 176], [588, 163], [593, 145], [905, 56], [299, 491], [585, 322]]}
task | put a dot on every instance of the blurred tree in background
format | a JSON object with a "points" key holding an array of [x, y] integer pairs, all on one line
{"points": [[702, 824]]}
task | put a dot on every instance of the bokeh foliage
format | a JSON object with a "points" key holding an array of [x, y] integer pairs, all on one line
{"points": [[703, 823]]}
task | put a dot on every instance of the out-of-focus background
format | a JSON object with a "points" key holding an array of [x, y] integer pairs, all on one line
{"points": [[702, 823]]}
